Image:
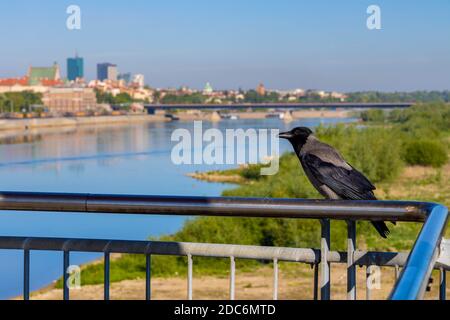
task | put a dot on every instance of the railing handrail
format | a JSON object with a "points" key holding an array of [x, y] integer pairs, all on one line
{"points": [[414, 277], [217, 206], [211, 250]]}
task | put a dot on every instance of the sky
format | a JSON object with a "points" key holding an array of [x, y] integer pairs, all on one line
{"points": [[285, 44]]}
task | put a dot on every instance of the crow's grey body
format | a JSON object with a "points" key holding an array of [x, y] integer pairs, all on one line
{"points": [[330, 174], [325, 153]]}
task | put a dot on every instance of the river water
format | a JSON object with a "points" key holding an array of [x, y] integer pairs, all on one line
{"points": [[125, 159]]}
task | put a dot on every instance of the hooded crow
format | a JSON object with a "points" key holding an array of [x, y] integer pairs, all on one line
{"points": [[329, 173]]}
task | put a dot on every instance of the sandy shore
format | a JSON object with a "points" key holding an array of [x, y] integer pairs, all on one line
{"points": [[192, 115]]}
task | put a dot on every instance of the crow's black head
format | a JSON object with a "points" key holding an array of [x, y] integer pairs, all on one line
{"points": [[297, 136]]}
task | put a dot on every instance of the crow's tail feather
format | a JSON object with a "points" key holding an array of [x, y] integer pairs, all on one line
{"points": [[382, 228]]}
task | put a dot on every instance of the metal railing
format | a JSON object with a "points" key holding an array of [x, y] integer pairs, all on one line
{"points": [[428, 253]]}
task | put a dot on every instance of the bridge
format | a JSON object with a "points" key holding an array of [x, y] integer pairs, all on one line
{"points": [[430, 251], [283, 106]]}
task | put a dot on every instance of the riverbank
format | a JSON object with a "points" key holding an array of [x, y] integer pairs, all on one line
{"points": [[196, 115], [188, 115], [26, 124]]}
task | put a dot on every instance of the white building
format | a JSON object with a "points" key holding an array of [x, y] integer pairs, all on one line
{"points": [[139, 79]]}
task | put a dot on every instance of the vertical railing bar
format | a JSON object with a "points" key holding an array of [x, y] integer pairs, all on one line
{"points": [[443, 285], [232, 278], [275, 279], [26, 274], [148, 277], [66, 263], [397, 272], [106, 283], [368, 284], [316, 281], [351, 267], [189, 287], [325, 264]]}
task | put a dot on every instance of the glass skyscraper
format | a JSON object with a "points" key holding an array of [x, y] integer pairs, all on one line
{"points": [[75, 68], [107, 71]]}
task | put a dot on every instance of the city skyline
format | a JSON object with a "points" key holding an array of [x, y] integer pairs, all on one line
{"points": [[285, 45]]}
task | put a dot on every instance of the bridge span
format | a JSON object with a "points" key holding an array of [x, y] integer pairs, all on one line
{"points": [[283, 106]]}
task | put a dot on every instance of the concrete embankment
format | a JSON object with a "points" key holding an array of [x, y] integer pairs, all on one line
{"points": [[25, 124]]}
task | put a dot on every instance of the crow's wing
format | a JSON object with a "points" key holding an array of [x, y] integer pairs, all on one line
{"points": [[347, 184]]}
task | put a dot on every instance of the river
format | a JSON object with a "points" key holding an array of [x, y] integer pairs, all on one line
{"points": [[119, 159]]}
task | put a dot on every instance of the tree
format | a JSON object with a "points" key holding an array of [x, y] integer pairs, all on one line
{"points": [[123, 98], [17, 101]]}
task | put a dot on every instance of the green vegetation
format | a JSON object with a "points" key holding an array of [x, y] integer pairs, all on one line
{"points": [[195, 98], [381, 149], [426, 153], [252, 96], [416, 96], [373, 115], [17, 101], [121, 99]]}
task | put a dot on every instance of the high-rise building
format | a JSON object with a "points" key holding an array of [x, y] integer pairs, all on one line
{"points": [[75, 68], [107, 71], [126, 77], [139, 80]]}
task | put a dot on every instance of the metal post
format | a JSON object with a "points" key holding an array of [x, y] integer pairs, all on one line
{"points": [[148, 277], [26, 274], [325, 264], [106, 274], [368, 285], [275, 279], [66, 263], [443, 285], [232, 278], [397, 272], [189, 288], [316, 281], [351, 268]]}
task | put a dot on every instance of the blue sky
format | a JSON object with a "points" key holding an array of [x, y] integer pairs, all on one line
{"points": [[283, 43]]}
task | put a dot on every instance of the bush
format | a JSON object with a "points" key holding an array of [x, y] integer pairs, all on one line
{"points": [[251, 172], [426, 153], [373, 115], [374, 151]]}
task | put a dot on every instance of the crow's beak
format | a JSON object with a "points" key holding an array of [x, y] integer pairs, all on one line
{"points": [[285, 135]]}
